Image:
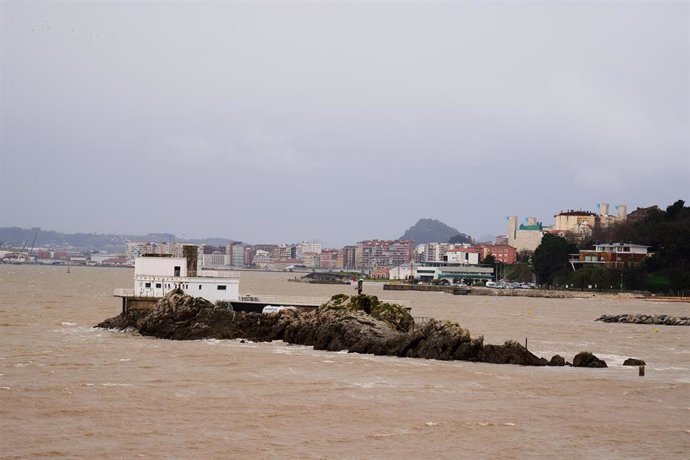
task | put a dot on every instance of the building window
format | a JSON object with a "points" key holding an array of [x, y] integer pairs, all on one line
{"points": [[221, 287], [200, 287], [147, 285], [158, 285]]}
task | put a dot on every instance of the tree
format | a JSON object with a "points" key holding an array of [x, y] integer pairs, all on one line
{"points": [[524, 256], [460, 238], [489, 259], [519, 272], [551, 257]]}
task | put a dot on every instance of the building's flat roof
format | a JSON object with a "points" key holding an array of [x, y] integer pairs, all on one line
{"points": [[621, 245], [575, 213]]}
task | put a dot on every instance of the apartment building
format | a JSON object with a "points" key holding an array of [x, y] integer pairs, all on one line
{"points": [[502, 252], [616, 255], [373, 254], [330, 259]]}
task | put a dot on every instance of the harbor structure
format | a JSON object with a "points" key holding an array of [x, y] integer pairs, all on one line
{"points": [[155, 275]]}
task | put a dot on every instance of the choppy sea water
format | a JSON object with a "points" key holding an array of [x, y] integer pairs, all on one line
{"points": [[69, 390]]}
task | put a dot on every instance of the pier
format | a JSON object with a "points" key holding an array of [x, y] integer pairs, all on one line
{"points": [[455, 290]]}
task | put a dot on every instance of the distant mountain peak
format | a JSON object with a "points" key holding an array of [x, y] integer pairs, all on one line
{"points": [[429, 231]]}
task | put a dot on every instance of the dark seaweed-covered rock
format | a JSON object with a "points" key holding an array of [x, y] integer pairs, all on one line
{"points": [[181, 317], [443, 340], [337, 330], [358, 324], [634, 362], [510, 353], [661, 320], [587, 359], [557, 360]]}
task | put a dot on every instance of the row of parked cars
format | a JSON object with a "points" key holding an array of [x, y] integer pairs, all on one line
{"points": [[508, 285]]}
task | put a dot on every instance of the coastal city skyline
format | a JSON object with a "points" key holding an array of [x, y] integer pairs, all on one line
{"points": [[427, 242], [336, 121], [547, 221]]}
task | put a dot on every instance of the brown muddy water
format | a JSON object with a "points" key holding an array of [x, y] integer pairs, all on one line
{"points": [[69, 390]]}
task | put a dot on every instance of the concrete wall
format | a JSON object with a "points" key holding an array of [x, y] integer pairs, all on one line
{"points": [[468, 257], [579, 224], [523, 240], [159, 266], [211, 289]]}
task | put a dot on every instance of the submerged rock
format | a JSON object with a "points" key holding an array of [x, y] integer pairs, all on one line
{"points": [[358, 324], [587, 359]]}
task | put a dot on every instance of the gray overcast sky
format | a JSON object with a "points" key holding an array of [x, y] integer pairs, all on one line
{"points": [[271, 122]]}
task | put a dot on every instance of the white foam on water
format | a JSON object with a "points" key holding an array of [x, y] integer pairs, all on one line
{"points": [[671, 368], [116, 385], [431, 424], [374, 384], [612, 360], [5, 388], [283, 351], [66, 323], [124, 360]]}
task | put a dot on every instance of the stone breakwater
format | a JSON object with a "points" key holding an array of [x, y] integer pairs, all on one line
{"points": [[358, 324], [664, 320]]}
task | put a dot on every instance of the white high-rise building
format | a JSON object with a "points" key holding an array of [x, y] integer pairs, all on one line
{"points": [[305, 247]]}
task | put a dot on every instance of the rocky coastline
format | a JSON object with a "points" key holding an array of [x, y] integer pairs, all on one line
{"points": [[357, 324], [662, 320]]}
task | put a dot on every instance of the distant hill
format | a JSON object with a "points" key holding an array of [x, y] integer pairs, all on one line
{"points": [[431, 231], [16, 237]]}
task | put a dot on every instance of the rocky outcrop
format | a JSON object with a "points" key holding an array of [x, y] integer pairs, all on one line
{"points": [[394, 315], [358, 324], [558, 360], [181, 317], [664, 320], [587, 359], [634, 362]]}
